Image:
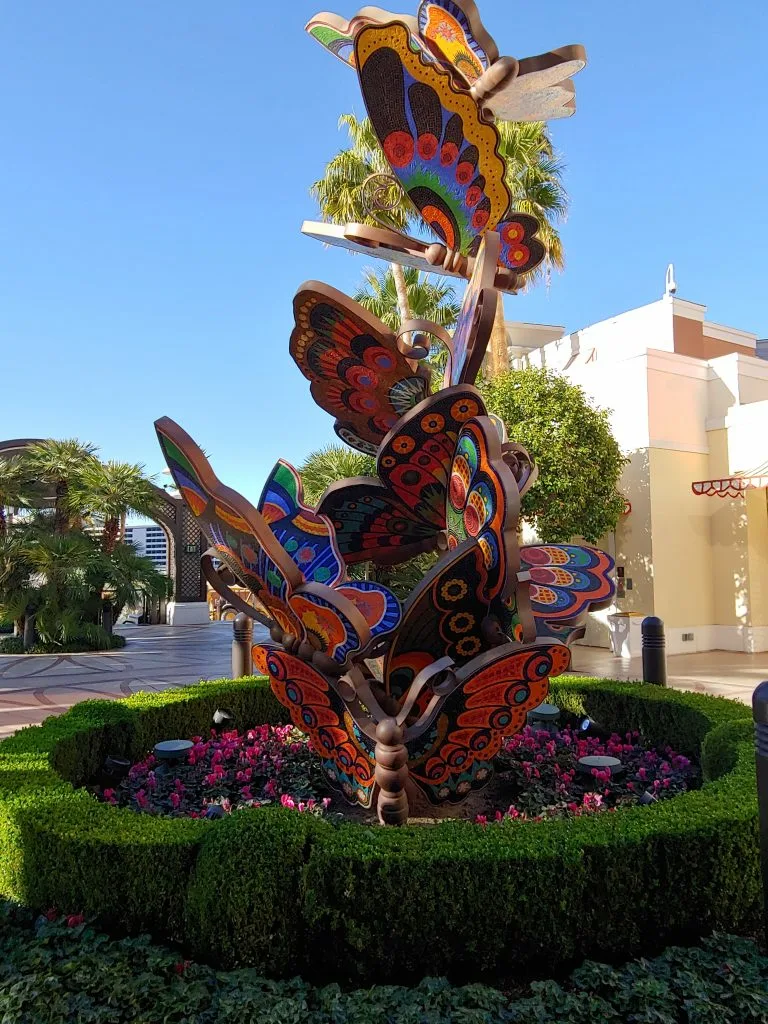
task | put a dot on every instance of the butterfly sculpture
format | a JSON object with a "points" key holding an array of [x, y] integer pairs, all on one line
{"points": [[364, 374], [440, 148], [285, 554], [451, 33]]}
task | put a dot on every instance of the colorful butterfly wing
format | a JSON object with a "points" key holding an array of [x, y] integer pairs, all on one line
{"points": [[357, 371], [494, 693], [337, 35], [331, 623], [454, 32], [443, 616], [483, 503], [378, 605], [478, 311], [414, 461], [240, 536], [317, 709], [566, 580], [521, 251], [442, 151], [306, 536], [370, 524]]}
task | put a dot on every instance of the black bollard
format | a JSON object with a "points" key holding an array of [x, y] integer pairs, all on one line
{"points": [[760, 716], [242, 637], [654, 651]]}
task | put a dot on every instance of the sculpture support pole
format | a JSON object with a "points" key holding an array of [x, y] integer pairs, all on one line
{"points": [[391, 773], [242, 638]]}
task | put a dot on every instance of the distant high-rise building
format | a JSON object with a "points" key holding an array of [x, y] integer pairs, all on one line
{"points": [[151, 542]]}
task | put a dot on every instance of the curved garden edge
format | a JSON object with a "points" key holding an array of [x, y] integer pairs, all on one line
{"points": [[289, 893]]}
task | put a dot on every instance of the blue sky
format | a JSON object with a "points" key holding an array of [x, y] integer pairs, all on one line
{"points": [[154, 174]]}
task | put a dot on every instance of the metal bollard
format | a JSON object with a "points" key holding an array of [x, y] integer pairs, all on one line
{"points": [[760, 716], [654, 651], [242, 638]]}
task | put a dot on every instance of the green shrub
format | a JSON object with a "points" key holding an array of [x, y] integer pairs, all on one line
{"points": [[285, 893], [15, 645], [54, 974]]}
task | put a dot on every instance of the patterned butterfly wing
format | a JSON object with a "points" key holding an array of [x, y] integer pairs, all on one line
{"points": [[478, 311], [317, 709], [566, 580], [357, 371], [483, 503], [414, 461], [440, 148], [454, 32], [306, 536], [337, 34], [331, 623], [239, 535], [494, 693], [443, 616], [378, 605], [370, 524]]}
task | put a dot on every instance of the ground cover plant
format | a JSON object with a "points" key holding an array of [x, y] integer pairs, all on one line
{"points": [[55, 968]]}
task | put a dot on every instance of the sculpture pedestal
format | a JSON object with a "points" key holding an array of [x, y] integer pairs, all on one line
{"points": [[187, 613]]}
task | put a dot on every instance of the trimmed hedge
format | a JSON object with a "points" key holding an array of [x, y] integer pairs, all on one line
{"points": [[289, 893]]}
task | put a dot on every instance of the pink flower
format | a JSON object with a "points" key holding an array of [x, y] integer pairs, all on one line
{"points": [[270, 789], [287, 801], [246, 793], [481, 820], [326, 802], [175, 800], [74, 920], [141, 799], [52, 914], [109, 796]]}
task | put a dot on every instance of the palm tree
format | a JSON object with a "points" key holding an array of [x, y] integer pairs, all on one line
{"points": [[341, 192], [107, 492], [428, 299], [14, 488], [534, 179], [334, 462], [61, 464]]}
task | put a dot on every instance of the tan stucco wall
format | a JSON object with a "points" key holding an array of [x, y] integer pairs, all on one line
{"points": [[681, 544], [634, 536], [757, 545]]}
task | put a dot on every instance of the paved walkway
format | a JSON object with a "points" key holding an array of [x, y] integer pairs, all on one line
{"points": [[726, 673], [156, 657]]}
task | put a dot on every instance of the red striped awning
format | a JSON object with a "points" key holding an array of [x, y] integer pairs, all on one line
{"points": [[733, 486]]}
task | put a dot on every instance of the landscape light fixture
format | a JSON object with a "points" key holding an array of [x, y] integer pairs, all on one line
{"points": [[116, 767], [223, 720], [214, 811], [601, 762], [545, 716], [648, 798], [586, 724]]}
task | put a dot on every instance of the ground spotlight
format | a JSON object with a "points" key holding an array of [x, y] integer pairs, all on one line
{"points": [[223, 720], [586, 724], [214, 811], [647, 798]]}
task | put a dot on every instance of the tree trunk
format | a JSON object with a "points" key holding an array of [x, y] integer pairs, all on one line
{"points": [[61, 518], [29, 631], [498, 353], [109, 536], [402, 293]]}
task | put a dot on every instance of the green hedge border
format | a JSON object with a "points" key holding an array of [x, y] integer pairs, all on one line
{"points": [[289, 893]]}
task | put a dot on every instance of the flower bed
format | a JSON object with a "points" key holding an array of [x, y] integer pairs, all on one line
{"points": [[290, 893], [539, 771], [227, 772]]}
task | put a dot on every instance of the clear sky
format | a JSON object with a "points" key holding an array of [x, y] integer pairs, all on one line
{"points": [[154, 173]]}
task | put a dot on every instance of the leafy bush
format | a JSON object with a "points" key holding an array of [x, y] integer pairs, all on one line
{"points": [[15, 645], [286, 892], [59, 970]]}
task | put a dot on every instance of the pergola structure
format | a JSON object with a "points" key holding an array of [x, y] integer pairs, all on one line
{"points": [[733, 486]]}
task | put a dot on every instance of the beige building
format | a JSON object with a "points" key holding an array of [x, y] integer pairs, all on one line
{"points": [[689, 403]]}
